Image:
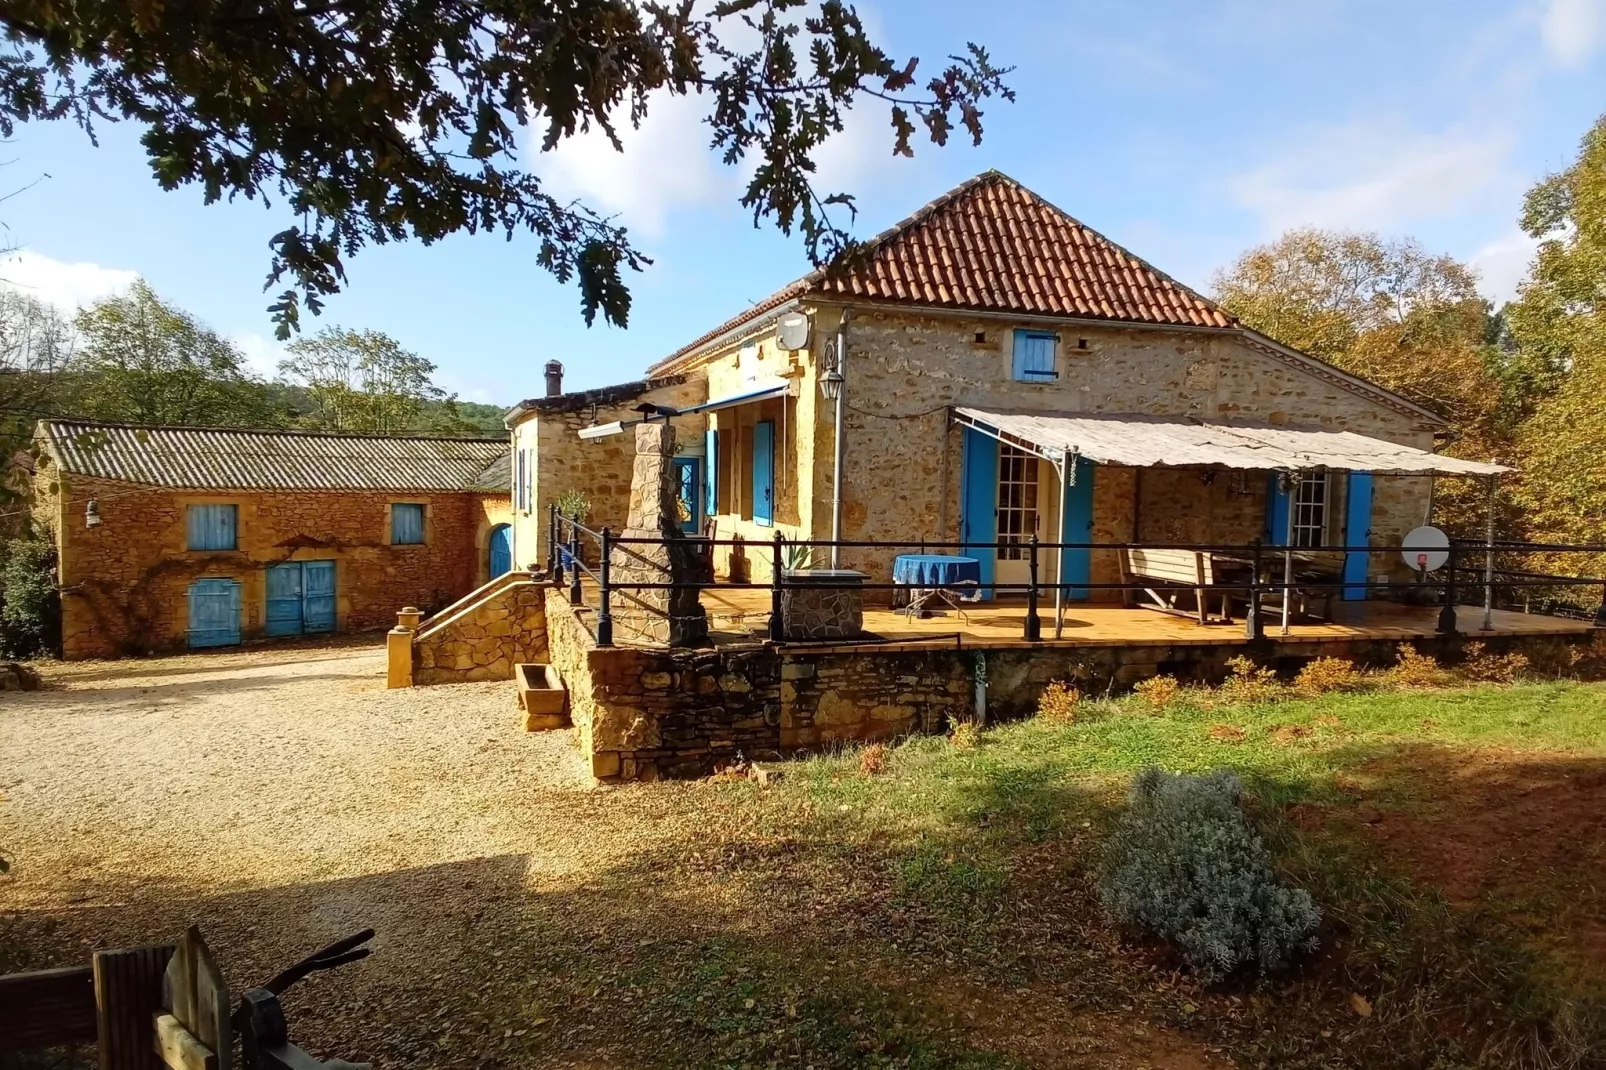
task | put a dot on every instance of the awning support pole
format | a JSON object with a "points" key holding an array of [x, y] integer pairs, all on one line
{"points": [[836, 461], [1067, 468], [1288, 546], [1488, 555]]}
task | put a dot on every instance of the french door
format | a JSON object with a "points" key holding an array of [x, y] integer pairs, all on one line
{"points": [[1018, 495]]}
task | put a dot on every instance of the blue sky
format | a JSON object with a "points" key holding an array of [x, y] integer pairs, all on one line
{"points": [[1185, 130]]}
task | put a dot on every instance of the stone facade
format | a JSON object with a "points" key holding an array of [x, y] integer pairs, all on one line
{"points": [[125, 582], [558, 460], [907, 367], [484, 635]]}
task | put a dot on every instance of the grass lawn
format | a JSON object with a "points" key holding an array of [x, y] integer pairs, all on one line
{"points": [[1453, 838]]}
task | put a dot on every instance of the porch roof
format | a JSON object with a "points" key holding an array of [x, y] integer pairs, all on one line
{"points": [[1139, 441]]}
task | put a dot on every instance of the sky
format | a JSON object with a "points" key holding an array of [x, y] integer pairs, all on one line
{"points": [[1186, 130]]}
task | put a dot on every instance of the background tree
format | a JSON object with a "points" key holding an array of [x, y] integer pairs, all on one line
{"points": [[1558, 324], [366, 381], [379, 120], [141, 360], [36, 346]]}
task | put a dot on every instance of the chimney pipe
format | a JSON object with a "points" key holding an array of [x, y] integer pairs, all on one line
{"points": [[554, 378]]}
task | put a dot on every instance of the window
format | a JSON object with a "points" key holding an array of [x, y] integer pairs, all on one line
{"points": [[1310, 510], [406, 524], [1033, 360], [213, 527]]}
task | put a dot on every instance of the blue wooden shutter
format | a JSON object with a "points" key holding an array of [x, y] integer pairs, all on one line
{"points": [[1076, 566], [978, 507], [211, 527], [406, 524], [1277, 506], [318, 596], [711, 478], [764, 472], [1033, 360], [1357, 532]]}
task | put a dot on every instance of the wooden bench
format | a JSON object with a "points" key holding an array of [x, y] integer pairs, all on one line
{"points": [[1173, 575]]}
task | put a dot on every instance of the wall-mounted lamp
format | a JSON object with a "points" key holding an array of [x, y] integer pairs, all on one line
{"points": [[831, 384], [92, 514]]}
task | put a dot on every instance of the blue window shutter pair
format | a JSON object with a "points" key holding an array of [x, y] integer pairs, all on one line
{"points": [[1033, 360], [406, 524], [213, 527]]}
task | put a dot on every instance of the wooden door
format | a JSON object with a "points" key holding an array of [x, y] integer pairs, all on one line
{"points": [[1018, 495], [214, 613], [317, 596], [284, 599]]}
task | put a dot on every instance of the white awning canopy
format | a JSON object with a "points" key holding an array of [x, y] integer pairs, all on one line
{"points": [[758, 390], [1139, 441]]}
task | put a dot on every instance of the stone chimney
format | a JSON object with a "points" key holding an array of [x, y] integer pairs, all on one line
{"points": [[554, 378], [672, 617]]}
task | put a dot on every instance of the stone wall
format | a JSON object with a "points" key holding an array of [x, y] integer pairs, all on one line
{"points": [[125, 582], [483, 638]]}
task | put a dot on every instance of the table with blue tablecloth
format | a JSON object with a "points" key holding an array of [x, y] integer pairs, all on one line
{"points": [[924, 578]]}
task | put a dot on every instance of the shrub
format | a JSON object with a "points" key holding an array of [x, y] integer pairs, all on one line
{"points": [[1416, 669], [1158, 691], [965, 736], [30, 605], [873, 759], [1059, 702], [1184, 864], [1324, 675], [1482, 664], [1249, 683]]}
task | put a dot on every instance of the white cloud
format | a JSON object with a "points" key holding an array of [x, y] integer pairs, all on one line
{"points": [[665, 165], [262, 354], [1503, 264], [66, 286], [1376, 175], [1572, 30]]}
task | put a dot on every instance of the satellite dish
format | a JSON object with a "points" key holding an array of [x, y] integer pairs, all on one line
{"points": [[1426, 549], [792, 333]]}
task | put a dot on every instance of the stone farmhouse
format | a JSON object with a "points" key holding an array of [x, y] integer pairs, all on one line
{"points": [[168, 537]]}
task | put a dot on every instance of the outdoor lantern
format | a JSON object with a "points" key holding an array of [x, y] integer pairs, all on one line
{"points": [[92, 514], [831, 384]]}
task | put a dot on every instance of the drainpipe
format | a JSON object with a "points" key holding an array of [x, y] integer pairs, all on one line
{"points": [[836, 463]]}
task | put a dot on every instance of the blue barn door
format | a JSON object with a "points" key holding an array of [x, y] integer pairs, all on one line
{"points": [[501, 550], [689, 494], [978, 501], [284, 599], [317, 596], [1357, 532], [764, 473], [214, 613], [1076, 566]]}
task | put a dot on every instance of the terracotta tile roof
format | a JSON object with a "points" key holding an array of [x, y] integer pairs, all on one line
{"points": [[203, 458], [992, 245]]}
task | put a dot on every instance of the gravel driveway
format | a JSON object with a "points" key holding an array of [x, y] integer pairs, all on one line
{"points": [[284, 798]]}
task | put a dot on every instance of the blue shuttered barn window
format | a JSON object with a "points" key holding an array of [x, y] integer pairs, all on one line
{"points": [[1033, 361], [406, 524], [213, 527]]}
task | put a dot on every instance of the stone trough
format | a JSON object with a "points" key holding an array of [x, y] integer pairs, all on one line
{"points": [[542, 696]]}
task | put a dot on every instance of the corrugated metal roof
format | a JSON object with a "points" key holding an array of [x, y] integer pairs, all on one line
{"points": [[497, 476], [1139, 441], [193, 458]]}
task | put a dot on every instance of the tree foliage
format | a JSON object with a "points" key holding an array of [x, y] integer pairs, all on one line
{"points": [[366, 381], [373, 121], [141, 360], [1559, 325]]}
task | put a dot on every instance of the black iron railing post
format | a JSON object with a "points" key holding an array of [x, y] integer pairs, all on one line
{"points": [[604, 593], [554, 567], [1034, 627], [1600, 614], [1447, 614], [576, 598], [777, 631], [1254, 623]]}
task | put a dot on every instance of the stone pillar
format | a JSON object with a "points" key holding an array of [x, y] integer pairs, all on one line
{"points": [[672, 617], [399, 648]]}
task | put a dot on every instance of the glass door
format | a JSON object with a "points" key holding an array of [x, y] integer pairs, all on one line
{"points": [[1017, 513]]}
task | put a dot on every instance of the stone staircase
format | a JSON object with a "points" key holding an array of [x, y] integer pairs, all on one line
{"points": [[481, 636]]}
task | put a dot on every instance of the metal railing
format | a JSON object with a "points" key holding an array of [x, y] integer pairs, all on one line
{"points": [[1454, 583]]}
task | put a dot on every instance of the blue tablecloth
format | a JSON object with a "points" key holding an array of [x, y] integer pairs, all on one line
{"points": [[935, 570]]}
